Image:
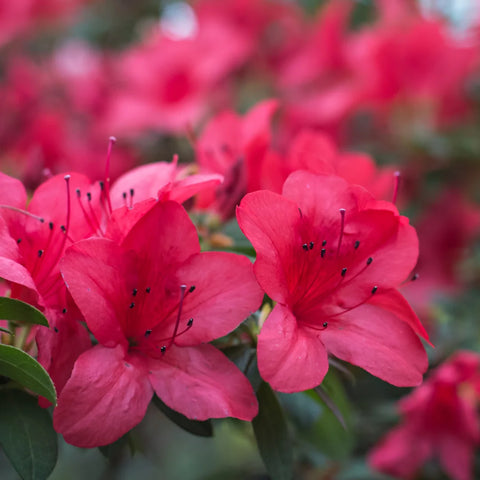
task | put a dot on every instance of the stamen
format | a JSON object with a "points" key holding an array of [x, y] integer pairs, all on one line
{"points": [[148, 332], [300, 212], [415, 277], [357, 244], [342, 226], [64, 310], [19, 240], [111, 142], [163, 349], [132, 305], [396, 180], [369, 260], [324, 243], [192, 288], [322, 252], [24, 212], [180, 305], [124, 195], [374, 289], [305, 247], [311, 245], [134, 292], [148, 290], [132, 193], [344, 271]]}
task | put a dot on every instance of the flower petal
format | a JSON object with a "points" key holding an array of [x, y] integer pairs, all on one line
{"points": [[106, 396], [201, 383], [100, 276], [378, 341], [261, 216], [225, 294], [290, 358]]}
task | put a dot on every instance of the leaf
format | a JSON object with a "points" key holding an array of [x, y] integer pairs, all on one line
{"points": [[24, 369], [196, 427], [322, 393], [114, 449], [12, 309], [273, 437], [27, 435], [328, 434]]}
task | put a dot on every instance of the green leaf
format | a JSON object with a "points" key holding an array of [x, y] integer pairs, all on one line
{"points": [[328, 433], [12, 309], [24, 369], [197, 427], [27, 435], [273, 437]]}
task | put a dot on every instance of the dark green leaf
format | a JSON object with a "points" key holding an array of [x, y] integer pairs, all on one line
{"points": [[24, 369], [115, 449], [327, 433], [12, 309], [200, 428], [27, 435], [273, 437]]}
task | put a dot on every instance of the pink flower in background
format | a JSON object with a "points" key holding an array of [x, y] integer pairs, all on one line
{"points": [[234, 147], [315, 152], [153, 303], [332, 258], [440, 418]]}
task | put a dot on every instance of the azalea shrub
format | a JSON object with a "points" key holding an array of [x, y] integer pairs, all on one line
{"points": [[239, 239]]}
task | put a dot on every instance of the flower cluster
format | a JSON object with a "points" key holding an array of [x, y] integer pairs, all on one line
{"points": [[273, 250]]}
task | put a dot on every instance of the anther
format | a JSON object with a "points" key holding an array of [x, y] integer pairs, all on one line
{"points": [[132, 305], [192, 288], [300, 212], [89, 196], [78, 192], [344, 271], [325, 324], [342, 227], [357, 244], [50, 225], [134, 292], [374, 289], [64, 310], [124, 195], [190, 322], [322, 252], [148, 332], [163, 349], [415, 277], [63, 229], [55, 329], [40, 253], [305, 246], [324, 243], [311, 245], [19, 240], [148, 289], [369, 260], [132, 192], [102, 185]]}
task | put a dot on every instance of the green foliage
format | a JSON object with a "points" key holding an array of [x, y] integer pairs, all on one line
{"points": [[200, 428], [27, 435], [22, 368], [272, 434], [12, 309]]}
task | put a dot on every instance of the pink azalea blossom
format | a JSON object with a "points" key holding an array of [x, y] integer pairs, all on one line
{"points": [[440, 418], [331, 257], [153, 302]]}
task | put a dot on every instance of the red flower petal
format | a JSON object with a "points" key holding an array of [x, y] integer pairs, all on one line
{"points": [[106, 396], [376, 340], [290, 358], [201, 383]]}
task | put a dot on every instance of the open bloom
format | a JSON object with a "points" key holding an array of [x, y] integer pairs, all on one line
{"points": [[154, 302], [331, 257], [441, 419]]}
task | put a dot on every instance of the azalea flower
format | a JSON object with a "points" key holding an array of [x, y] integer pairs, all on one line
{"points": [[440, 418], [153, 302], [234, 146], [331, 257]]}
